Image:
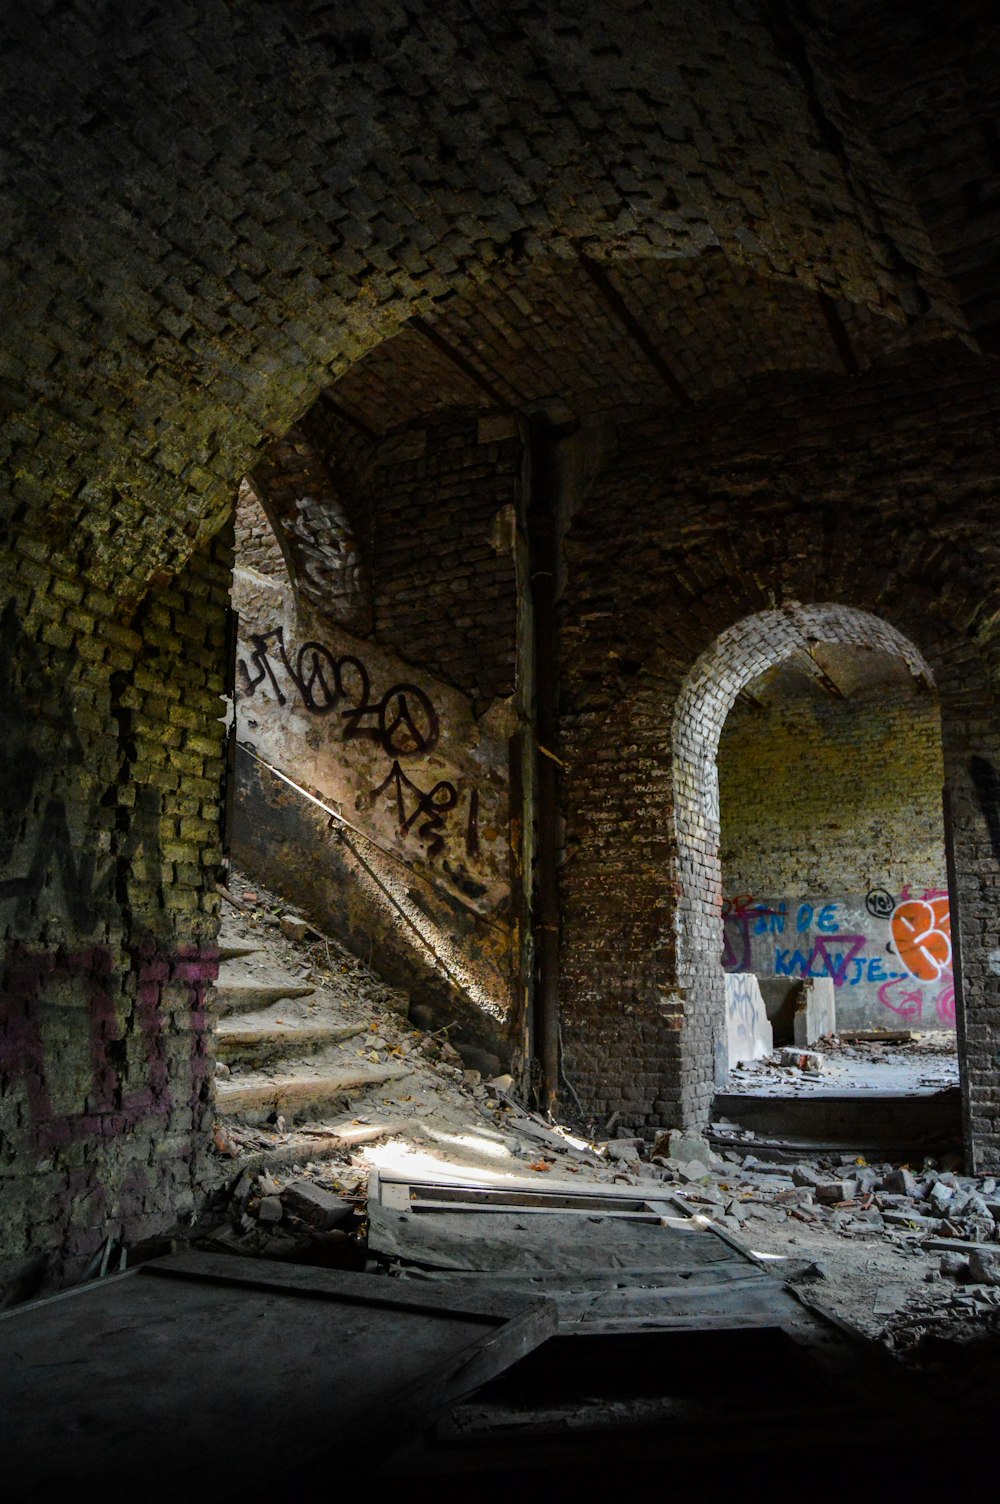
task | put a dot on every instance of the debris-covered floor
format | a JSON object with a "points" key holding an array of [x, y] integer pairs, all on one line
{"points": [[907, 1255], [913, 1064], [397, 1248]]}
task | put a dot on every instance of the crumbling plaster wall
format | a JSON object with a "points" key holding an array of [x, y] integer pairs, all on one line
{"points": [[832, 844], [874, 493], [410, 745]]}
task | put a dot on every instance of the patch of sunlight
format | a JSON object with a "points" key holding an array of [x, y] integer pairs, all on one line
{"points": [[469, 1141], [410, 1163]]}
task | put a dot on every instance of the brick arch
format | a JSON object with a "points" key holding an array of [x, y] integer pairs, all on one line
{"points": [[214, 210], [863, 493], [313, 525], [738, 655], [251, 197]]}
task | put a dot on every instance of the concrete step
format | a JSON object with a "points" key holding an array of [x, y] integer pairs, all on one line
{"points": [[253, 1040], [235, 947], [242, 988], [246, 997], [298, 1090]]}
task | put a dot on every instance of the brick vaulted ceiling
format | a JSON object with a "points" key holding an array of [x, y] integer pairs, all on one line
{"points": [[575, 338], [213, 210]]}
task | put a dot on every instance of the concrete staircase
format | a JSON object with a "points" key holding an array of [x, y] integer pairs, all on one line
{"points": [[285, 1049]]}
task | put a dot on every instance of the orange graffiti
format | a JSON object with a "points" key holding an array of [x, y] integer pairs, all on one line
{"points": [[921, 929]]}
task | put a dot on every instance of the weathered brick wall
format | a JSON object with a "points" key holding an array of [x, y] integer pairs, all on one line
{"points": [[874, 493], [253, 196], [922, 82], [832, 841], [249, 198], [396, 739], [825, 795], [443, 577], [108, 852], [407, 539], [256, 544]]}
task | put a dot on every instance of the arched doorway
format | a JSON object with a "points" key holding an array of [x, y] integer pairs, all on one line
{"points": [[795, 706]]}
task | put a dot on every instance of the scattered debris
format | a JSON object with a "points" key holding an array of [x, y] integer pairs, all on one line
{"points": [[884, 1243], [294, 927], [801, 1060]]}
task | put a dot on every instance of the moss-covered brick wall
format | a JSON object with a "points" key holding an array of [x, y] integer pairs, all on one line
{"points": [[109, 847]]}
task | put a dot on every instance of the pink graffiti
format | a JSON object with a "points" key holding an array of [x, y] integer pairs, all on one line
{"points": [[111, 1109], [945, 1005], [910, 1002]]}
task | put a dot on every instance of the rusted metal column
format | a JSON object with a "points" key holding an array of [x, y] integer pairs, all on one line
{"points": [[542, 555]]}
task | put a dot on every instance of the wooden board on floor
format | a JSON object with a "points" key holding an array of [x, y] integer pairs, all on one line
{"points": [[225, 1376], [612, 1258]]}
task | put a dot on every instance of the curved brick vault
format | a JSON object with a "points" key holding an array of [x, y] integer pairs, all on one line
{"points": [[246, 238], [227, 205]]}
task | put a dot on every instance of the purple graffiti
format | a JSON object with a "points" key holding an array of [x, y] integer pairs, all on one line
{"points": [[742, 917], [111, 1110], [836, 963], [834, 952]]}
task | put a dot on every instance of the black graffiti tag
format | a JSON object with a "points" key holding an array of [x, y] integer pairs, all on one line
{"points": [[323, 681], [262, 664], [880, 903], [403, 722], [40, 831], [431, 805], [330, 682]]}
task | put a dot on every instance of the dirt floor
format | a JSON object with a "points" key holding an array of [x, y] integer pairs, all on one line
{"points": [[906, 1256]]}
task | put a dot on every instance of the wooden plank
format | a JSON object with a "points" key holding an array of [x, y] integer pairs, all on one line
{"points": [[173, 1375], [374, 1292], [736, 1321], [490, 1241], [399, 1199], [488, 1181]]}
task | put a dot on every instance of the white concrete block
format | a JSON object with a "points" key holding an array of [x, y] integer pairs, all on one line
{"points": [[815, 1011], [749, 1035]]}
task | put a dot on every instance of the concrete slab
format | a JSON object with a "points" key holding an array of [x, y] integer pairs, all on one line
{"points": [[815, 1011], [749, 1035]]}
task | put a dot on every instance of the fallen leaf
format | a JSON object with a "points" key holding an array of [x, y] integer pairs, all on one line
{"points": [[540, 1164]]}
